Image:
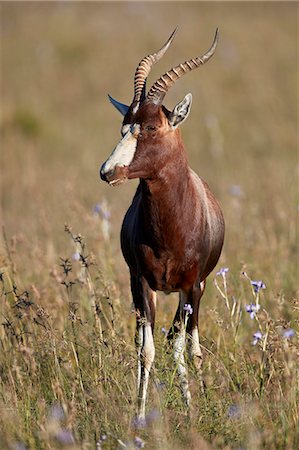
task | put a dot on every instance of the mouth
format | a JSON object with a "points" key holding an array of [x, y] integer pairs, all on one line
{"points": [[117, 182], [117, 176]]}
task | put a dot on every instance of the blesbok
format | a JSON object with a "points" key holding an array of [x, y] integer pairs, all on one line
{"points": [[173, 232]]}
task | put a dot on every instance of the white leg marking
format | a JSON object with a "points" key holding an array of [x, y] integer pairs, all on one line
{"points": [[146, 359], [194, 347], [195, 354], [139, 341], [179, 346]]}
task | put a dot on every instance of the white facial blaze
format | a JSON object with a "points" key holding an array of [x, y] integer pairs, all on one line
{"points": [[125, 129], [124, 152]]}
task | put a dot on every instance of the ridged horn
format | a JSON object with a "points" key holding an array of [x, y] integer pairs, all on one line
{"points": [[159, 89], [144, 68]]}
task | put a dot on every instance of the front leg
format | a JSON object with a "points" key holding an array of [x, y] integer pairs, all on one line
{"points": [[183, 330], [145, 305]]}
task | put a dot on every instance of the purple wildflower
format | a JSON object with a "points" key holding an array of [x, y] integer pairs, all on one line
{"points": [[289, 333], [234, 412], [65, 437], [19, 446], [188, 308], [236, 191], [222, 271], [139, 443], [258, 336], [257, 285], [56, 412], [102, 439], [139, 423], [164, 331], [152, 416], [76, 256], [252, 309], [101, 210]]}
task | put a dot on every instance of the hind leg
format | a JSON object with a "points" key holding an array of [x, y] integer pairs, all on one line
{"points": [[193, 345], [178, 335]]}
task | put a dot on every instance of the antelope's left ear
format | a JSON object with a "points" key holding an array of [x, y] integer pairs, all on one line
{"points": [[180, 112]]}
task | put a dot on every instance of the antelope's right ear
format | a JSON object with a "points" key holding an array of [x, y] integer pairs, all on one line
{"points": [[123, 109]]}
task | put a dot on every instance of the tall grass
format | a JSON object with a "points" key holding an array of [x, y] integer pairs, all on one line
{"points": [[67, 358], [68, 367]]}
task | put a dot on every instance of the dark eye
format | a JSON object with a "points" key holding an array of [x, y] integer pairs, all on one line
{"points": [[150, 128]]}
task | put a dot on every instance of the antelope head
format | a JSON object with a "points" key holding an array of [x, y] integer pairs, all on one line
{"points": [[148, 128]]}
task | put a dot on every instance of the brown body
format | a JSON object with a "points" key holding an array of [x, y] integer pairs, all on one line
{"points": [[173, 232]]}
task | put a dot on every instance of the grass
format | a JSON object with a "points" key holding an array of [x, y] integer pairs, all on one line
{"points": [[67, 359]]}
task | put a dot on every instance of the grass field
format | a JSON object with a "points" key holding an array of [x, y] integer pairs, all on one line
{"points": [[67, 357]]}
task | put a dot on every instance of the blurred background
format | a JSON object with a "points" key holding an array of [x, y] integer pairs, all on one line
{"points": [[59, 62], [60, 385]]}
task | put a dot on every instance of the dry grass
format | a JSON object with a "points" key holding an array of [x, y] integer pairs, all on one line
{"points": [[67, 358]]}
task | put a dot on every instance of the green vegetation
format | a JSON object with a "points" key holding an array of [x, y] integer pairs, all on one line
{"points": [[67, 357]]}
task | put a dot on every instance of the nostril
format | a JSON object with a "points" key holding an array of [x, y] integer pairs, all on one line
{"points": [[104, 175]]}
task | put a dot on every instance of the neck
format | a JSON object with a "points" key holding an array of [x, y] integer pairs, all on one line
{"points": [[174, 172], [171, 179], [164, 202]]}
